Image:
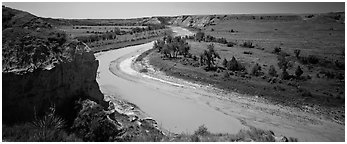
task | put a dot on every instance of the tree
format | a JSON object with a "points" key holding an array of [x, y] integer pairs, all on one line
{"points": [[283, 64], [166, 51], [225, 62], [298, 71], [272, 71], [234, 65], [297, 53], [208, 56], [256, 70]]}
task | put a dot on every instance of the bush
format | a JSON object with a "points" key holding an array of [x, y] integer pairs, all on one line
{"points": [[225, 63], [195, 58], [49, 128], [285, 75], [277, 50], [297, 53], [222, 40], [256, 70], [248, 44], [339, 64], [247, 52], [272, 71], [313, 59], [230, 44], [234, 65], [298, 72], [202, 131], [143, 70]]}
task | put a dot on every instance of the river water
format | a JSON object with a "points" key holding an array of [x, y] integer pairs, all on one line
{"points": [[177, 109]]}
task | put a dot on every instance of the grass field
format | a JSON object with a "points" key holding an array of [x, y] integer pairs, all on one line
{"points": [[325, 39]]}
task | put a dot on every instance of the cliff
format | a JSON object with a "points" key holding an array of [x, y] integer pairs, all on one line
{"points": [[200, 21], [43, 68], [25, 95], [194, 21]]}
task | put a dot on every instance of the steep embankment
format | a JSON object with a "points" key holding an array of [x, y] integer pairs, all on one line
{"points": [[42, 68], [50, 91], [34, 92], [201, 21]]}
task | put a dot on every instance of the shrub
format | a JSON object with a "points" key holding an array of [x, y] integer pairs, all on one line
{"points": [[49, 128], [230, 44], [285, 75], [313, 59], [248, 44], [256, 70], [234, 65], [277, 50], [247, 52], [272, 71], [298, 71], [222, 40], [143, 70], [225, 63], [297, 53], [339, 64], [202, 130], [195, 58], [283, 63]]}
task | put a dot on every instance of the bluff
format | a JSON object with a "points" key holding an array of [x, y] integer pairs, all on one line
{"points": [[43, 68]]}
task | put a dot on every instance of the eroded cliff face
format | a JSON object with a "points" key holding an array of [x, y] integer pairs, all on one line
{"points": [[194, 21], [32, 93], [201, 21]]}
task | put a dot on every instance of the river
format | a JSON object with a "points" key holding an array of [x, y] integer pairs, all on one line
{"points": [[177, 109], [181, 107]]}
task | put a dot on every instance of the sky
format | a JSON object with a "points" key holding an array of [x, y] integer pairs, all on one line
{"points": [[116, 10]]}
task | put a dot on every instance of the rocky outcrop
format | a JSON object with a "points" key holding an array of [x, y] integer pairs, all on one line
{"points": [[194, 21], [152, 20], [201, 21], [30, 94], [116, 123]]}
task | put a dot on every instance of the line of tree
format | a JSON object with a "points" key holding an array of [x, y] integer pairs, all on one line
{"points": [[200, 36], [172, 47]]}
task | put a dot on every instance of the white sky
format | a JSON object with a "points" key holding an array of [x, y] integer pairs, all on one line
{"points": [[99, 10]]}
